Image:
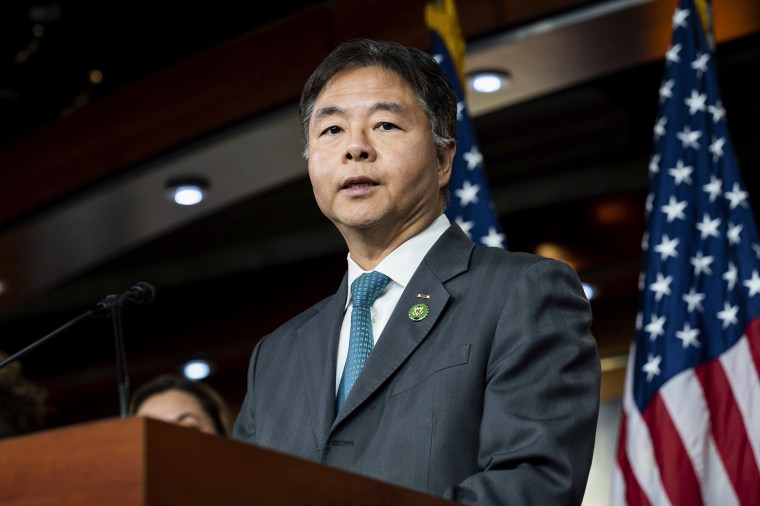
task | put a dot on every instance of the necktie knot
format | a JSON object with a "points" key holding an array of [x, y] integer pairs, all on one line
{"points": [[368, 287]]}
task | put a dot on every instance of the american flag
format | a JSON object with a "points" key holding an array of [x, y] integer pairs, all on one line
{"points": [[470, 205], [690, 428]]}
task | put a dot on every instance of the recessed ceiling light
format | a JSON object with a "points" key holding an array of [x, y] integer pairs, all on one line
{"points": [[590, 291], [95, 76], [488, 81], [188, 195], [196, 370], [187, 192]]}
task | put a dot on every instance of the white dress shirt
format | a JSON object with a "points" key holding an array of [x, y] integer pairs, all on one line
{"points": [[400, 265]]}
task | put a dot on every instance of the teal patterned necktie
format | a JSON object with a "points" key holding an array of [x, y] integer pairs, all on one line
{"points": [[364, 290]]}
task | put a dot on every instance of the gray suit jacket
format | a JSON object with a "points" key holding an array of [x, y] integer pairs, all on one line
{"points": [[491, 399]]}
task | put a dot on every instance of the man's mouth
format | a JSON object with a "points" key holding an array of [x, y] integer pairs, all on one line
{"points": [[358, 183]]}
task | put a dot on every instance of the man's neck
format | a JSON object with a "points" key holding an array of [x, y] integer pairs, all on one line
{"points": [[368, 247]]}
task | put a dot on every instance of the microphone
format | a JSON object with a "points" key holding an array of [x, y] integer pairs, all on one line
{"points": [[140, 293], [111, 305]]}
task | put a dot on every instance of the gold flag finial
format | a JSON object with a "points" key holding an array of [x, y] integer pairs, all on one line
{"points": [[705, 15], [441, 16]]}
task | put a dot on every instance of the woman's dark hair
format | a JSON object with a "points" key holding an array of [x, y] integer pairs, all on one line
{"points": [[23, 407], [209, 399]]}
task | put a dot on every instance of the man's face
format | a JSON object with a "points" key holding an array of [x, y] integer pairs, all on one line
{"points": [[373, 163]]}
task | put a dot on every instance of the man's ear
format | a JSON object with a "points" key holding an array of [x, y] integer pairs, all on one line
{"points": [[445, 163]]}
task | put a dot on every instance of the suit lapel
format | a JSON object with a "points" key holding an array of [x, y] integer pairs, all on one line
{"points": [[448, 257], [318, 349]]}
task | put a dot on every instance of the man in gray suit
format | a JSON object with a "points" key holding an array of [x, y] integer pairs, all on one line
{"points": [[483, 384]]}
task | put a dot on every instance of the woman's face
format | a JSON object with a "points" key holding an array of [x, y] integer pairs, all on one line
{"points": [[177, 406]]}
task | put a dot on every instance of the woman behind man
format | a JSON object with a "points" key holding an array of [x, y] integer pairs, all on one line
{"points": [[23, 407], [174, 399]]}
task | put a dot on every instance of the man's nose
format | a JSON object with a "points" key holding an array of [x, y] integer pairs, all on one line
{"points": [[360, 149], [357, 154]]}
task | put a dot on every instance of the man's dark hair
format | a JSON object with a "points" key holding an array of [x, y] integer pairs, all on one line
{"points": [[420, 71]]}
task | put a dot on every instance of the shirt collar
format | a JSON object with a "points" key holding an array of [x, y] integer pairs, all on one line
{"points": [[402, 262]]}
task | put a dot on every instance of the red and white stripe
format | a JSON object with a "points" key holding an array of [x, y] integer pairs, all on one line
{"points": [[698, 442]]}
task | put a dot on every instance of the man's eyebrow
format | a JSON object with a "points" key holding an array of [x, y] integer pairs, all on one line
{"points": [[394, 107], [331, 110], [185, 416]]}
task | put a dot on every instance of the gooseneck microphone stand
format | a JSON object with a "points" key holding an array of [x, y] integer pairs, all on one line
{"points": [[111, 306]]}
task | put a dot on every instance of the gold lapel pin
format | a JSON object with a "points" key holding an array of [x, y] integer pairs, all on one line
{"points": [[423, 296]]}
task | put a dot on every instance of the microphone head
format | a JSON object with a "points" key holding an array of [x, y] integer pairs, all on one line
{"points": [[141, 293]]}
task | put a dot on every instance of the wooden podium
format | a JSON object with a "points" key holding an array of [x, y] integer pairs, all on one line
{"points": [[137, 461]]}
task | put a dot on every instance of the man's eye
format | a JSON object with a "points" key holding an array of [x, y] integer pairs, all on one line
{"points": [[387, 126], [332, 130]]}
